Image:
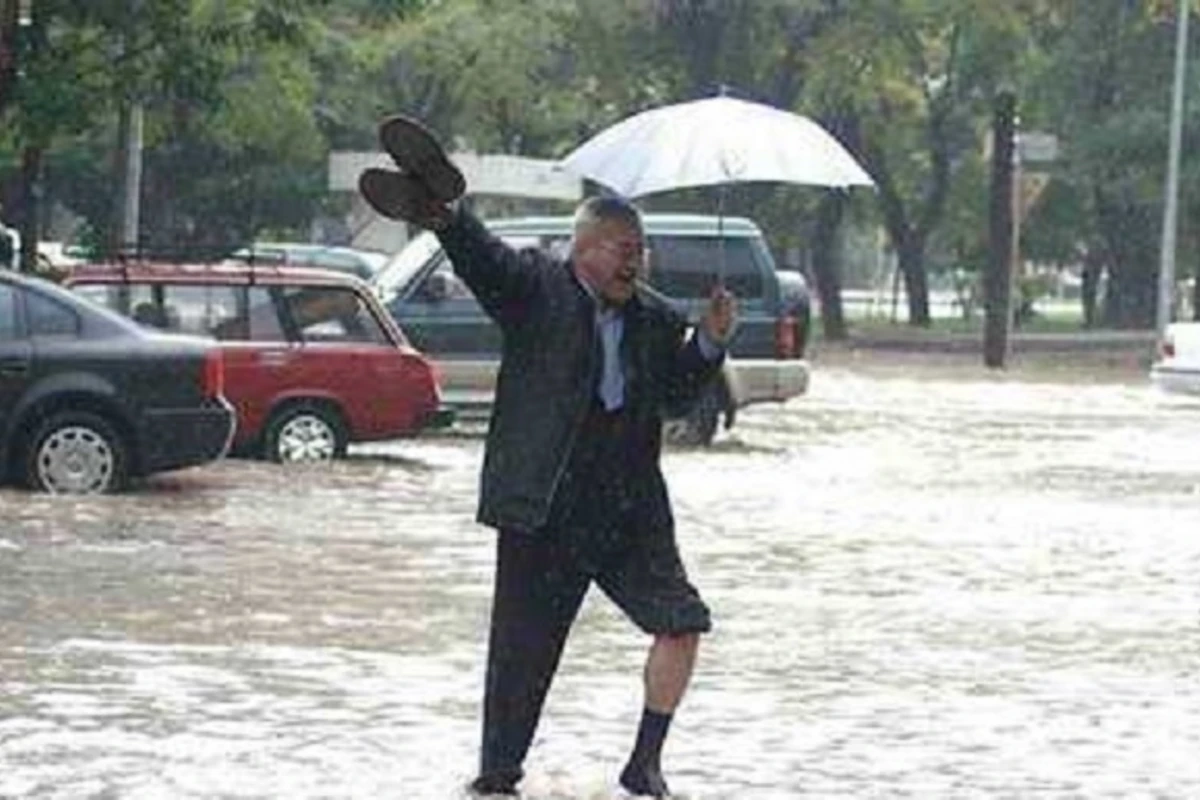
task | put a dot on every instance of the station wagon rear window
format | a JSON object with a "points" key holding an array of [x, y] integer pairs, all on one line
{"points": [[331, 314]]}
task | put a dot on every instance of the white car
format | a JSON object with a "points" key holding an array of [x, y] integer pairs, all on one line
{"points": [[1177, 369]]}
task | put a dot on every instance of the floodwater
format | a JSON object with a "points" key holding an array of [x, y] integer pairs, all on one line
{"points": [[937, 585]]}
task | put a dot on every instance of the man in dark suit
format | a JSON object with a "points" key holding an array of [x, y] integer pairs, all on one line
{"points": [[592, 361]]}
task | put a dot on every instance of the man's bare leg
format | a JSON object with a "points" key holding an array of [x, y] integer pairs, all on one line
{"points": [[668, 670]]}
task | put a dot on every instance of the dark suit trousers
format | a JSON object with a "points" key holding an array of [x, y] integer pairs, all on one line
{"points": [[597, 531]]}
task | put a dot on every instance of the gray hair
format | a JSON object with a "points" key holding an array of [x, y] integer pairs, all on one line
{"points": [[607, 208]]}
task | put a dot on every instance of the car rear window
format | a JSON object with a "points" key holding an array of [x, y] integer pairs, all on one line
{"points": [[688, 266]]}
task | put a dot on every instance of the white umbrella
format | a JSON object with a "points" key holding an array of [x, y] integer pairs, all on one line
{"points": [[713, 142], [710, 142]]}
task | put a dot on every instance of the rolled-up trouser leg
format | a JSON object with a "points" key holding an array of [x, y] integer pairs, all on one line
{"points": [[538, 591]]}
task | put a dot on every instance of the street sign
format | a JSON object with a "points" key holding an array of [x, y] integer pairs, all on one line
{"points": [[1036, 147]]}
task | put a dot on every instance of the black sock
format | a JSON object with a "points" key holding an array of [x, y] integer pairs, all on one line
{"points": [[651, 735], [643, 773]]}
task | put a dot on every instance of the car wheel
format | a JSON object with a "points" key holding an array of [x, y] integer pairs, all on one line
{"points": [[306, 432], [699, 427], [76, 452]]}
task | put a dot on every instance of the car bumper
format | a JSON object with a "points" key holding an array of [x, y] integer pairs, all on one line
{"points": [[178, 438], [766, 380], [1175, 380]]}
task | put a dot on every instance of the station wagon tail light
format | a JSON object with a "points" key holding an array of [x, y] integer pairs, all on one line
{"points": [[785, 337], [214, 375]]}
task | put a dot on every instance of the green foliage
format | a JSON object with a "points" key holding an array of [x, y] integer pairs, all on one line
{"points": [[244, 99]]}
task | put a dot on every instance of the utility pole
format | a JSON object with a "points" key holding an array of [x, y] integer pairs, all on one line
{"points": [[1002, 247], [130, 131], [131, 126], [1166, 271]]}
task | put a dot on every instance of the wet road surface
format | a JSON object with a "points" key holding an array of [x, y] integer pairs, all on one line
{"points": [[932, 586]]}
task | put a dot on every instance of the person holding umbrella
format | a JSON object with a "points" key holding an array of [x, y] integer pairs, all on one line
{"points": [[592, 361]]}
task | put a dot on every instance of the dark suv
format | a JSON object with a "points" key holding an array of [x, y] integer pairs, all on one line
{"points": [[88, 399], [686, 254]]}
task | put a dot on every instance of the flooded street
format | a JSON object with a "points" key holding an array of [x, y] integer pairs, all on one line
{"points": [[944, 586]]}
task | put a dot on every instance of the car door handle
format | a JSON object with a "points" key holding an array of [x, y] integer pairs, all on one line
{"points": [[13, 366], [273, 359]]}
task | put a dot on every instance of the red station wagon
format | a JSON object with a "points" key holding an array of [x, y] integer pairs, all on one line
{"points": [[312, 361]]}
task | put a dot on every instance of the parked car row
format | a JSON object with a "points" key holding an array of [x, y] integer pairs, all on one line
{"points": [[134, 368]]}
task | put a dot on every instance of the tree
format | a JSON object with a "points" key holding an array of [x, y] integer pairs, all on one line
{"points": [[913, 79], [1107, 90], [228, 89]]}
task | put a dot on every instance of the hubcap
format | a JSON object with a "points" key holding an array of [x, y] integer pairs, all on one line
{"points": [[306, 437], [75, 460]]}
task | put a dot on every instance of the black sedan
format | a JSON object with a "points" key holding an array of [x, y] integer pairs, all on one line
{"points": [[89, 399]]}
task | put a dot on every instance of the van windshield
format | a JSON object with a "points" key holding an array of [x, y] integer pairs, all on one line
{"points": [[404, 265]]}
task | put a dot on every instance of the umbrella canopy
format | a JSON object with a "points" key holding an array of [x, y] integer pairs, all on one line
{"points": [[714, 142]]}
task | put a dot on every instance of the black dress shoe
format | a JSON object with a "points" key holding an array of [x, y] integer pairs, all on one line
{"points": [[417, 153], [493, 786], [644, 781], [403, 197]]}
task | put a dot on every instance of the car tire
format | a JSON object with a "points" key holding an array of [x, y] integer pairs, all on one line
{"points": [[76, 452], [305, 432], [699, 427]]}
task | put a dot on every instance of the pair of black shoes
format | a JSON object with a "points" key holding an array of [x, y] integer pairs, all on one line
{"points": [[427, 183], [639, 780]]}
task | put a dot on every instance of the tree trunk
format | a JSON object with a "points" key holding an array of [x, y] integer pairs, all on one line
{"points": [[907, 238], [827, 265], [1093, 269], [1131, 300], [1132, 287], [910, 252], [31, 168]]}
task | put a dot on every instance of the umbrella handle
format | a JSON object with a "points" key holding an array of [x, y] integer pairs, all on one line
{"points": [[721, 236]]}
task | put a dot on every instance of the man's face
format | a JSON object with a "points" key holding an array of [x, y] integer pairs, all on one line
{"points": [[608, 257]]}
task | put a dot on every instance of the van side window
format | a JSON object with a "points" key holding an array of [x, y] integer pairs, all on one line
{"points": [[688, 266]]}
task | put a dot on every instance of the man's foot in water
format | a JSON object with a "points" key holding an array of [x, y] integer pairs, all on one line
{"points": [[644, 780], [493, 786]]}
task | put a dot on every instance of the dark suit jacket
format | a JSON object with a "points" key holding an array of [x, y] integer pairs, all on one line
{"points": [[548, 372]]}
